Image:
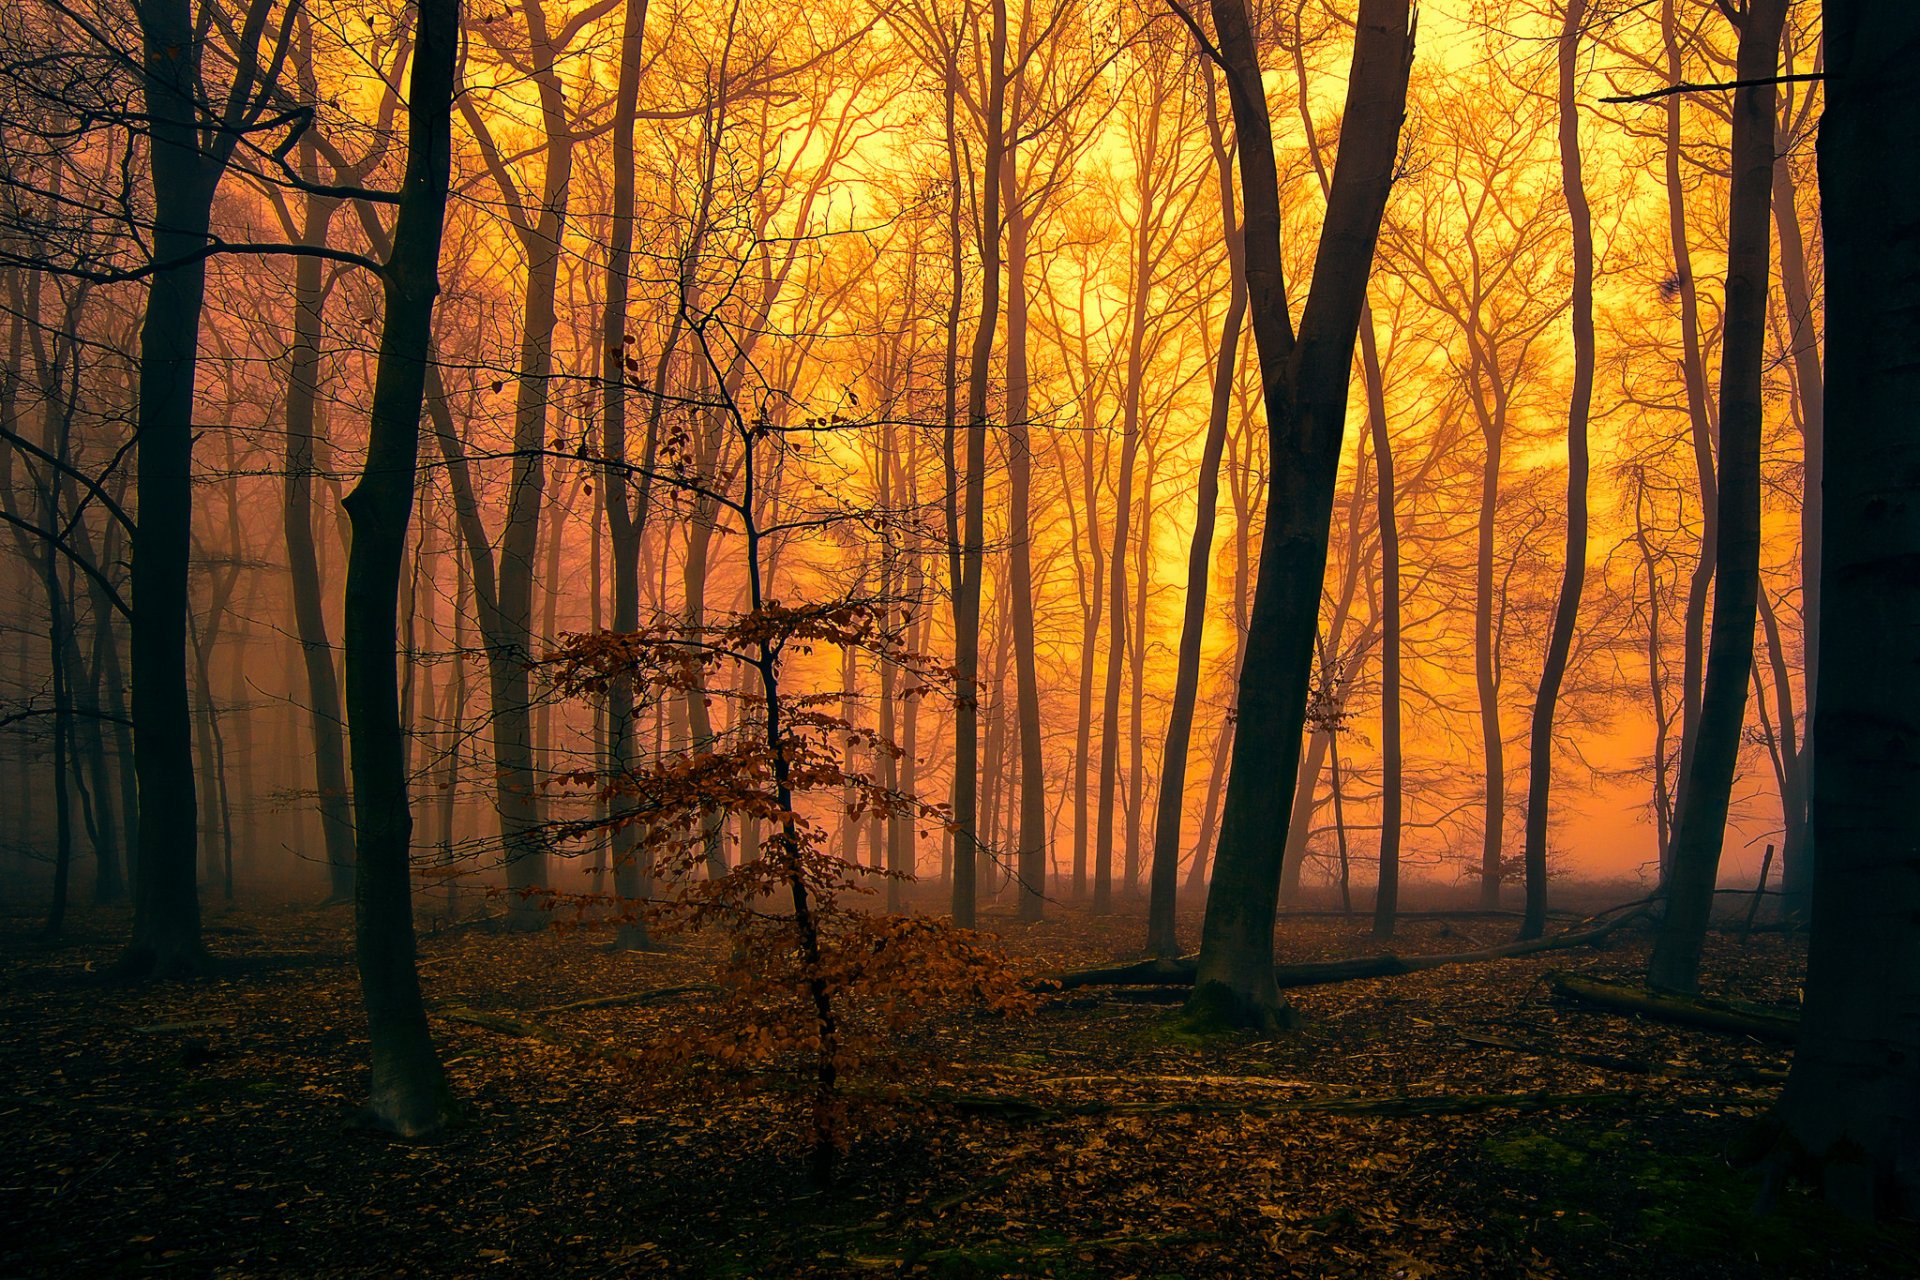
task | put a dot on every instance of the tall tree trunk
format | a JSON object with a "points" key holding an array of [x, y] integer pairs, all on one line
{"points": [[966, 605], [1163, 938], [1117, 594], [1700, 411], [166, 937], [1305, 383], [409, 1093], [1706, 783], [626, 517], [1574, 574], [1803, 338], [1849, 1105], [303, 564], [1030, 856], [1386, 899]]}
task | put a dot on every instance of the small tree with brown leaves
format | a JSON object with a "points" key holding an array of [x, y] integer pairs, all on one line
{"points": [[809, 978]]}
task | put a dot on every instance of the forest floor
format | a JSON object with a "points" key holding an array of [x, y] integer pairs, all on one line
{"points": [[205, 1129]]}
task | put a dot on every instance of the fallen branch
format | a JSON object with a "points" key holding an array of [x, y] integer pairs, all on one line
{"points": [[1319, 973], [1011, 1107], [506, 1025], [655, 996], [1689, 1011], [1631, 1066]]}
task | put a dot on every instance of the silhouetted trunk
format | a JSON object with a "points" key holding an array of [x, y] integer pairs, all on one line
{"points": [[1386, 901], [1305, 384], [303, 564], [1703, 429], [966, 604], [1030, 856], [1803, 338], [166, 904], [1131, 427], [1848, 1106], [1574, 574], [1162, 937], [408, 1094], [626, 516], [1706, 783]]}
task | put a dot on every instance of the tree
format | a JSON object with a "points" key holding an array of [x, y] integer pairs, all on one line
{"points": [[409, 1092], [1573, 579], [1305, 383], [1162, 939], [1849, 1102], [1706, 784], [190, 144]]}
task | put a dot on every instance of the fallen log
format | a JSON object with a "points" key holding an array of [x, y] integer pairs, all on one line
{"points": [[1689, 1011], [1173, 973]]}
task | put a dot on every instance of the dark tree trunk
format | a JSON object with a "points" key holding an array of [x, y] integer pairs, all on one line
{"points": [[1706, 783], [1574, 575], [166, 904], [1849, 1106], [1305, 383], [1162, 938], [626, 517], [303, 564], [1030, 857], [972, 547], [409, 1093], [1803, 338]]}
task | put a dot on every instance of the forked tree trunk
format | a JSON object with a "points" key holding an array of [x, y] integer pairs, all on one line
{"points": [[409, 1092], [1706, 784], [1849, 1103], [1305, 384]]}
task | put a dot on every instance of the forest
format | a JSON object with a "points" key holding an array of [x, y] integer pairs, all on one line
{"points": [[960, 638]]}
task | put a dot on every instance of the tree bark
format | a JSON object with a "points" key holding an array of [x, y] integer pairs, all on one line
{"points": [[1162, 936], [1305, 384], [1574, 573], [409, 1093], [966, 604], [1030, 856], [1706, 784], [1852, 1103]]}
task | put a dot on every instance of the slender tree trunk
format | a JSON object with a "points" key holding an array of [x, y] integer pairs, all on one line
{"points": [[1030, 857], [1162, 936], [1706, 783], [303, 564], [409, 1093], [1574, 574], [1803, 337], [1386, 900], [1700, 411], [966, 608], [1117, 595]]}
